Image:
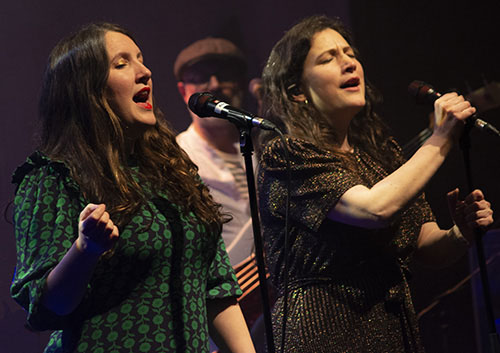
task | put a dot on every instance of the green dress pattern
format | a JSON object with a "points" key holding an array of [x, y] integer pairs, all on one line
{"points": [[150, 295]]}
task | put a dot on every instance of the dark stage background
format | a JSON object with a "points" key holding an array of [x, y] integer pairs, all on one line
{"points": [[447, 44]]}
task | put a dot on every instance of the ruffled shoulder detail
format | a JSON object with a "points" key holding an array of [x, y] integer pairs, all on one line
{"points": [[302, 154], [38, 160], [294, 143]]}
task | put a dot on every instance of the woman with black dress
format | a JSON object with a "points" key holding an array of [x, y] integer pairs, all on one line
{"points": [[357, 214]]}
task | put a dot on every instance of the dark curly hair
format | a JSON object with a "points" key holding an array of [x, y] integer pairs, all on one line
{"points": [[80, 129], [284, 69]]}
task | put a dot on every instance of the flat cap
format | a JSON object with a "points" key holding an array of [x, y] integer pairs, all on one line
{"points": [[207, 48]]}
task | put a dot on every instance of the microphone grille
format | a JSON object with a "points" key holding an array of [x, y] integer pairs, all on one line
{"points": [[197, 103], [422, 92]]}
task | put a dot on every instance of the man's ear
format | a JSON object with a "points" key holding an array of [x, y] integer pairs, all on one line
{"points": [[181, 89]]}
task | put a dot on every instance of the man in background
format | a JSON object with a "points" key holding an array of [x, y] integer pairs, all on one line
{"points": [[217, 66]]}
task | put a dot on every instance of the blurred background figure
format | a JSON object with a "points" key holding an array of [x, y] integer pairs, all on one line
{"points": [[217, 66]]}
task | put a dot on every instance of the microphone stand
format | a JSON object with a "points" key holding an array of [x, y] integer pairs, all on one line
{"points": [[493, 337], [246, 147]]}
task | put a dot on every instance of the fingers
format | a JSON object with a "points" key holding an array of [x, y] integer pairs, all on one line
{"points": [[454, 204], [97, 232], [93, 219], [480, 219], [97, 221], [476, 195], [452, 198], [479, 213], [452, 105], [87, 211], [105, 224], [477, 210], [115, 233]]}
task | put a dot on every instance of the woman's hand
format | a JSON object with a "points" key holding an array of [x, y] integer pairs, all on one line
{"points": [[96, 231], [472, 213], [67, 282], [450, 112]]}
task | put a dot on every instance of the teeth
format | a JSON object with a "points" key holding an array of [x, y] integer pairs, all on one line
{"points": [[349, 84], [141, 97]]}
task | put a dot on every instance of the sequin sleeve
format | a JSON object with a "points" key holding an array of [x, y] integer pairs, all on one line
{"points": [[45, 226], [319, 180], [222, 281]]}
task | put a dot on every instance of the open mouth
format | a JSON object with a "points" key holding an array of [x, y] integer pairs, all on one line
{"points": [[141, 98], [353, 82]]}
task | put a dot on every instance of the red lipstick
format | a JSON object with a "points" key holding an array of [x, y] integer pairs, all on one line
{"points": [[141, 98]]}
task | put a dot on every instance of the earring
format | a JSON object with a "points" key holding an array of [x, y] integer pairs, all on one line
{"points": [[306, 101]]}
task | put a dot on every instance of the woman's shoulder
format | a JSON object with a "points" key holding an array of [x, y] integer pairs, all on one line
{"points": [[294, 144], [299, 150], [38, 167]]}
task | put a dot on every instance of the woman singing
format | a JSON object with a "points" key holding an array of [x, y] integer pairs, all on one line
{"points": [[118, 241], [357, 213]]}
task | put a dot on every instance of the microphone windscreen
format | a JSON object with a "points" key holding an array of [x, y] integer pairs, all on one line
{"points": [[422, 92], [198, 103]]}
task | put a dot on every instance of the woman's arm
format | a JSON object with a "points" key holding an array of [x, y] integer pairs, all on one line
{"points": [[375, 207], [227, 326], [67, 282], [440, 247], [437, 247]]}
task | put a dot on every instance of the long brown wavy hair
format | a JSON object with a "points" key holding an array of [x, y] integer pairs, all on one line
{"points": [[80, 129], [284, 70]]}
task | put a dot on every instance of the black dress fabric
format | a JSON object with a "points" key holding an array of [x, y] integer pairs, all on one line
{"points": [[348, 289]]}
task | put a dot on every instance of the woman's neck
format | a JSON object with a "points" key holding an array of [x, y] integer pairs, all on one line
{"points": [[340, 125], [345, 146]]}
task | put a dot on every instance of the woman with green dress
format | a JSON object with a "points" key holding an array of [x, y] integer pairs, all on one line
{"points": [[118, 240]]}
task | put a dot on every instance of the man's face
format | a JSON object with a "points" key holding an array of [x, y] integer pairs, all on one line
{"points": [[222, 78]]}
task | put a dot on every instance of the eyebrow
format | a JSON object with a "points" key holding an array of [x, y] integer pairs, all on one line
{"points": [[126, 54], [334, 50]]}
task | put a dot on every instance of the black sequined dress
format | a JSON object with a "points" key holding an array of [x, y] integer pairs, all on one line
{"points": [[348, 285]]}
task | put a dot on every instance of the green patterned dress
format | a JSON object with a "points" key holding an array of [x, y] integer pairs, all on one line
{"points": [[149, 296]]}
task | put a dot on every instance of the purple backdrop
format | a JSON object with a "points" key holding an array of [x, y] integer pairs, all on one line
{"points": [[446, 45]]}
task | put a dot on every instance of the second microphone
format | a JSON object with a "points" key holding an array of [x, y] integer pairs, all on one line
{"points": [[207, 105]]}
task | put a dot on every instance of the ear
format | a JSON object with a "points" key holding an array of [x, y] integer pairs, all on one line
{"points": [[299, 98], [295, 94], [181, 89]]}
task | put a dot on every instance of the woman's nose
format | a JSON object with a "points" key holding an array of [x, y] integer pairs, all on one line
{"points": [[348, 63], [143, 74]]}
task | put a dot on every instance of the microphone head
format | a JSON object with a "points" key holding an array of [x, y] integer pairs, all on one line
{"points": [[198, 104], [422, 92]]}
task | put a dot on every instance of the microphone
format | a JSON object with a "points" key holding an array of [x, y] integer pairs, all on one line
{"points": [[425, 93], [206, 104]]}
